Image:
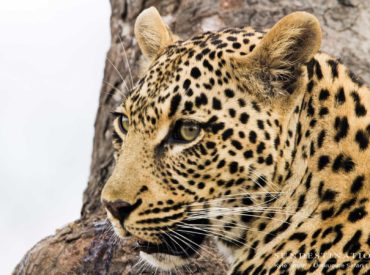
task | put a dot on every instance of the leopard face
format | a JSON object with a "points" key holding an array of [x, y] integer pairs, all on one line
{"points": [[207, 142]]}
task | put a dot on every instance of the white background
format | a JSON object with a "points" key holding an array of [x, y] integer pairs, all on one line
{"points": [[52, 55]]}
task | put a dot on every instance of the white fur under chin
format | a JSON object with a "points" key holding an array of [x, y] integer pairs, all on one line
{"points": [[163, 261], [225, 251]]}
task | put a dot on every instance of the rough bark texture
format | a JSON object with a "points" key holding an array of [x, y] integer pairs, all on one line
{"points": [[85, 246]]}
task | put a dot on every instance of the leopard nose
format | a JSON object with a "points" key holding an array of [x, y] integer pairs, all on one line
{"points": [[121, 209]]}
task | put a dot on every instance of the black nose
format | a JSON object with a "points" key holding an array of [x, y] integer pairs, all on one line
{"points": [[121, 209]]}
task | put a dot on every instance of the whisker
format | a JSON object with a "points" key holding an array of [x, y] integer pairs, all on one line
{"points": [[128, 64], [210, 233], [264, 179], [120, 75], [188, 240], [115, 88], [237, 209], [171, 237], [208, 227], [231, 196], [209, 215]]}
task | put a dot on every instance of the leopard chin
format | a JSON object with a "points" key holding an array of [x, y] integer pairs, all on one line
{"points": [[162, 261]]}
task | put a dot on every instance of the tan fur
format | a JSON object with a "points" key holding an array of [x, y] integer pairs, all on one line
{"points": [[151, 33], [293, 41], [272, 110]]}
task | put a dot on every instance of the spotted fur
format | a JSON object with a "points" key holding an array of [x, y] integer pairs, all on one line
{"points": [[279, 173]]}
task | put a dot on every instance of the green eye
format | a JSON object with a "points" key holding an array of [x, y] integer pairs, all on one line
{"points": [[186, 131], [123, 124]]}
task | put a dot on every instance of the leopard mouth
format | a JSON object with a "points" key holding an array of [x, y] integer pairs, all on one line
{"points": [[177, 242]]}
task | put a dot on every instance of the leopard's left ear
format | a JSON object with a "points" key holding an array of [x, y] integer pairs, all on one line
{"points": [[151, 33], [291, 42]]}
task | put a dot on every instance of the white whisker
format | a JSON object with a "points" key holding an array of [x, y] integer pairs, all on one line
{"points": [[128, 64], [120, 75]]}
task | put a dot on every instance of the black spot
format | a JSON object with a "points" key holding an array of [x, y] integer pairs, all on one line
{"points": [[207, 65], [269, 160], [260, 124], [247, 201], [252, 136], [360, 109], [324, 94], [310, 108], [299, 236], [323, 162], [271, 235], [210, 145], [334, 68], [233, 167], [344, 163], [340, 97], [201, 185], [277, 142], [301, 201], [244, 117], [323, 111], [262, 226], [216, 104], [329, 195], [231, 38], [175, 101], [310, 68], [357, 184], [341, 126], [221, 164], [357, 214], [236, 144], [188, 106], [252, 251], [318, 70], [329, 263], [316, 233], [320, 138], [248, 154], [216, 127], [260, 147], [227, 134], [346, 205], [310, 85], [353, 245], [256, 106], [241, 102], [327, 213], [236, 45], [362, 139], [261, 181], [201, 100], [312, 149], [229, 93], [195, 72], [232, 112]]}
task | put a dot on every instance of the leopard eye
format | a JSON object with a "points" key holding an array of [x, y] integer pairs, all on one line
{"points": [[123, 123], [186, 131]]}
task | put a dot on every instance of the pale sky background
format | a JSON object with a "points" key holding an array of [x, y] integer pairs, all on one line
{"points": [[52, 55]]}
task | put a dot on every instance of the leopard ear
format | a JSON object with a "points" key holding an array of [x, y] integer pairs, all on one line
{"points": [[292, 42], [151, 33]]}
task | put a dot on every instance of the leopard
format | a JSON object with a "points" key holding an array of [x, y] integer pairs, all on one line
{"points": [[256, 139]]}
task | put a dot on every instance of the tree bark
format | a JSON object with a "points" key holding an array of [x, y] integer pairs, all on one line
{"points": [[86, 246]]}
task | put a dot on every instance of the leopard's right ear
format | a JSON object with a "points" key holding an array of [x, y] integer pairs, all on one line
{"points": [[151, 33]]}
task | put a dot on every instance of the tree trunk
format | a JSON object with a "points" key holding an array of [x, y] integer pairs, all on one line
{"points": [[87, 246]]}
